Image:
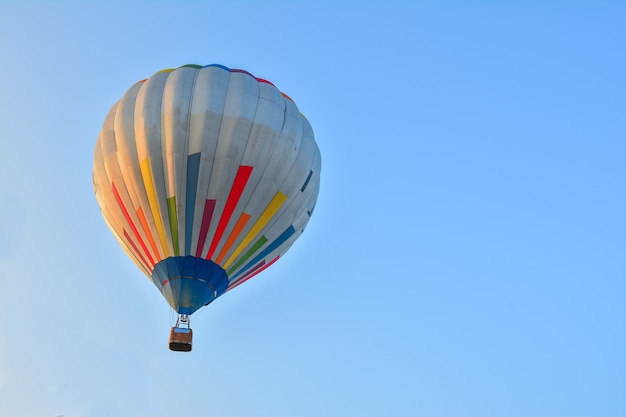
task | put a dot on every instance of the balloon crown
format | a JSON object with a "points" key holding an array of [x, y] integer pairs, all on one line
{"points": [[196, 66]]}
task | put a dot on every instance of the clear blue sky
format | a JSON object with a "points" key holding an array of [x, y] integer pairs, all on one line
{"points": [[467, 256]]}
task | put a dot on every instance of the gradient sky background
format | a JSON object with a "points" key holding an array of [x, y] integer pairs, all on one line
{"points": [[466, 258]]}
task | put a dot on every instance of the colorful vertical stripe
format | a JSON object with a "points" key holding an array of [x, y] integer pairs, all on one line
{"points": [[251, 273], [146, 174], [243, 174], [193, 168], [241, 223], [207, 216], [271, 209], [171, 213], [133, 227], [270, 248]]}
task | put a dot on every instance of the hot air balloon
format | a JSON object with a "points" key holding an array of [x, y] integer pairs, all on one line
{"points": [[206, 176]]}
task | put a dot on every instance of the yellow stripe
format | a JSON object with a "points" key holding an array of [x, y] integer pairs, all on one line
{"points": [[267, 214], [146, 173]]}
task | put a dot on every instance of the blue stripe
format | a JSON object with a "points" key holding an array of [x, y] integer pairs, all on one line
{"points": [[193, 167], [307, 181], [218, 66], [275, 244]]}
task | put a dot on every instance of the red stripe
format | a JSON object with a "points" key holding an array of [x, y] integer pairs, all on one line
{"points": [[254, 271], [241, 71], [257, 266], [261, 80], [132, 225], [209, 206], [136, 249], [241, 179]]}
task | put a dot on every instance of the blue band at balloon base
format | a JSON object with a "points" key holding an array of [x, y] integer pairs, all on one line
{"points": [[189, 283]]}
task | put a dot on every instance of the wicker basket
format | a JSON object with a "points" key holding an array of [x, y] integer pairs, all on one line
{"points": [[180, 339]]}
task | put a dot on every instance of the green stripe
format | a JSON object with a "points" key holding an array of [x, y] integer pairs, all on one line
{"points": [[248, 254], [171, 212]]}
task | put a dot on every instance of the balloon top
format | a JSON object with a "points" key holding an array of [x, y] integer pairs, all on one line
{"points": [[261, 80]]}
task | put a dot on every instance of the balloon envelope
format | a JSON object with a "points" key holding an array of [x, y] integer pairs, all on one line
{"points": [[206, 176]]}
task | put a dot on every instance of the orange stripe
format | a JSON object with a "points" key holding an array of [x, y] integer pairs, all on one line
{"points": [[241, 223], [146, 228]]}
